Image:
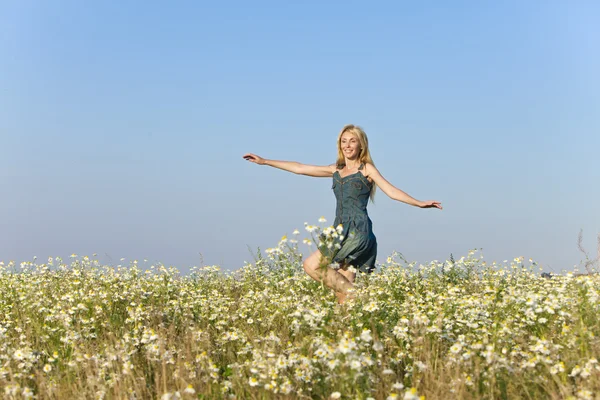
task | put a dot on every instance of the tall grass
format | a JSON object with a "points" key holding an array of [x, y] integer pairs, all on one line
{"points": [[460, 329]]}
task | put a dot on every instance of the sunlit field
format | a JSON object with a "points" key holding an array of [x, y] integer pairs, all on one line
{"points": [[455, 329]]}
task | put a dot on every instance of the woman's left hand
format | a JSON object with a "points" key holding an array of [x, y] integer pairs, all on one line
{"points": [[431, 204]]}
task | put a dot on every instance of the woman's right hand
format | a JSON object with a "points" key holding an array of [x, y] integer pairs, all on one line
{"points": [[254, 158]]}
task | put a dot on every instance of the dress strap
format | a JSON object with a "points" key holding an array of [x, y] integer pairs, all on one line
{"points": [[361, 166]]}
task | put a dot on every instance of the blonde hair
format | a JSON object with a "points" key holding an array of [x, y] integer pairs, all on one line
{"points": [[364, 156]]}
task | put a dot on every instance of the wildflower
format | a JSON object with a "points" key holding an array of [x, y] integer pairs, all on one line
{"points": [[372, 306], [421, 365], [393, 396], [253, 382], [335, 395], [296, 232], [346, 346], [558, 367], [18, 355], [286, 387], [585, 372], [189, 390], [281, 362], [47, 368], [388, 371], [456, 348], [311, 228], [11, 390], [127, 367], [398, 386], [584, 394], [322, 220], [575, 371], [27, 393], [366, 335], [332, 364], [411, 394]]}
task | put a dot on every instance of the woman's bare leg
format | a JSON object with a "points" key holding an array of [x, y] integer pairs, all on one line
{"points": [[330, 277], [342, 297]]}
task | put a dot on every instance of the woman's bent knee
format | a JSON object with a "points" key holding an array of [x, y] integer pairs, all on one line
{"points": [[306, 266], [309, 268], [311, 264]]}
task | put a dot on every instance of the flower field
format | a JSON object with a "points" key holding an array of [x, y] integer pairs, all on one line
{"points": [[459, 329]]}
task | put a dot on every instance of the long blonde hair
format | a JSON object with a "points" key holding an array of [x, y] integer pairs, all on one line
{"points": [[365, 155]]}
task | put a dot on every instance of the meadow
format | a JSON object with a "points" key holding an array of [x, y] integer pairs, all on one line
{"points": [[453, 329]]}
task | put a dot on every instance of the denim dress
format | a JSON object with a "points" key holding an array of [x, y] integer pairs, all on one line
{"points": [[359, 247]]}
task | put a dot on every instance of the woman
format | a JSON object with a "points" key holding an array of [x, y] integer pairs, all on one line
{"points": [[354, 180]]}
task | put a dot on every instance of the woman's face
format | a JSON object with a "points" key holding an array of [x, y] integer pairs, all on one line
{"points": [[350, 146]]}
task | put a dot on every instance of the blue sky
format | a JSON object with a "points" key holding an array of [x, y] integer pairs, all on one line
{"points": [[122, 125]]}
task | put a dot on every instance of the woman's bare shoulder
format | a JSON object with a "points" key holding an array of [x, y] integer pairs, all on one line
{"points": [[369, 168]]}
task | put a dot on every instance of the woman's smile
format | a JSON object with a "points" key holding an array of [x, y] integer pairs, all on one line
{"points": [[350, 145]]}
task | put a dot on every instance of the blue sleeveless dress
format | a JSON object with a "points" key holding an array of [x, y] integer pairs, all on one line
{"points": [[359, 247]]}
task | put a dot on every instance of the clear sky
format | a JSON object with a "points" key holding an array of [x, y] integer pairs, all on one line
{"points": [[123, 125]]}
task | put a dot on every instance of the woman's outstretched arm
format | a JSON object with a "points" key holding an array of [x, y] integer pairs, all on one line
{"points": [[395, 193], [292, 166]]}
